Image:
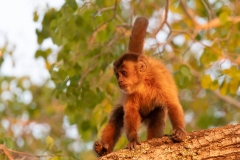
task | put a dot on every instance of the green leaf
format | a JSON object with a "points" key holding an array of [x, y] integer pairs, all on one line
{"points": [[44, 54], [85, 125], [35, 16], [231, 72], [198, 37], [223, 18], [181, 80], [8, 142], [214, 85], [184, 70], [110, 88], [206, 81], [50, 142], [205, 120], [55, 158], [72, 4], [208, 56], [53, 24]]}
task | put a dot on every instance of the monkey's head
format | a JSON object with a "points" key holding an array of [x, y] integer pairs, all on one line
{"points": [[130, 71]]}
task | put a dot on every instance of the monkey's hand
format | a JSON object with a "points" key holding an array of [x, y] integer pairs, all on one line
{"points": [[100, 148], [179, 134], [133, 144]]}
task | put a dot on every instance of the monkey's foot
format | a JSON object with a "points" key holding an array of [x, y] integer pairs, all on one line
{"points": [[179, 134], [132, 145], [100, 148]]}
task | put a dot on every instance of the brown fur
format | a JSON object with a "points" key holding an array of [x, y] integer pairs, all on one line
{"points": [[148, 94], [137, 36]]}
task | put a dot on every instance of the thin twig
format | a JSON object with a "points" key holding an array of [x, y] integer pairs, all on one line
{"points": [[221, 39], [208, 9], [92, 63], [8, 152], [91, 39], [188, 12], [164, 19]]}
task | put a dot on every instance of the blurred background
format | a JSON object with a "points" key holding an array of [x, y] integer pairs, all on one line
{"points": [[57, 82]]}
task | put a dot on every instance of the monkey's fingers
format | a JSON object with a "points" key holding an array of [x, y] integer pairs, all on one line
{"points": [[97, 146], [132, 145], [179, 134], [100, 148]]}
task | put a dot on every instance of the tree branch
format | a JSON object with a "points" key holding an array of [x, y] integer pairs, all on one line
{"points": [[217, 143], [15, 155], [164, 19], [188, 12], [103, 25], [228, 99], [214, 23]]}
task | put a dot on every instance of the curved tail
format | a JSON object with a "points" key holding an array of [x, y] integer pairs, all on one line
{"points": [[136, 42]]}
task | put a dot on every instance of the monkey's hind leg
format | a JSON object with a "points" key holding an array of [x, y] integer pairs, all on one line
{"points": [[111, 133], [155, 123]]}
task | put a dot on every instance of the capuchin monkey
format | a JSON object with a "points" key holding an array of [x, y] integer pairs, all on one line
{"points": [[148, 95]]}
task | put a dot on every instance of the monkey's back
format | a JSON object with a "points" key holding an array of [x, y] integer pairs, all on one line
{"points": [[163, 84]]}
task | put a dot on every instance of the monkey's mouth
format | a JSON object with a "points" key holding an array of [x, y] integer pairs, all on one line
{"points": [[123, 86]]}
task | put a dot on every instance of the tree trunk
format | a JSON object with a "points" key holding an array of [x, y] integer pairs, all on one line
{"points": [[217, 143]]}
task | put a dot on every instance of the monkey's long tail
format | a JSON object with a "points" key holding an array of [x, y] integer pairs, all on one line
{"points": [[138, 34]]}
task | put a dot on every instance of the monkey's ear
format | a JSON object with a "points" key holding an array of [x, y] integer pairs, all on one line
{"points": [[142, 64]]}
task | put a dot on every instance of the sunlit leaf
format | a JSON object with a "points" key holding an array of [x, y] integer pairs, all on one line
{"points": [[35, 16], [8, 142], [224, 88], [55, 158], [208, 56], [184, 70], [231, 72], [233, 86], [214, 85], [110, 88], [223, 17], [48, 65], [50, 142], [206, 81]]}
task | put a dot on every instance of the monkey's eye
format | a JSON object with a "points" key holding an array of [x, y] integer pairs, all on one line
{"points": [[117, 75], [124, 73]]}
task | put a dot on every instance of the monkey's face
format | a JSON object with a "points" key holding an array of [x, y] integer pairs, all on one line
{"points": [[130, 71], [127, 76]]}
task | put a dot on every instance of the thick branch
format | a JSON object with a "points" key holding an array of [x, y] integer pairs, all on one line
{"points": [[228, 99], [214, 23], [218, 143]]}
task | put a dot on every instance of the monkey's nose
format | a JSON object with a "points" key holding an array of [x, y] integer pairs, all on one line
{"points": [[120, 81]]}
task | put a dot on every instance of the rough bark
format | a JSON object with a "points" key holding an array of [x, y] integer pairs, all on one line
{"points": [[217, 143]]}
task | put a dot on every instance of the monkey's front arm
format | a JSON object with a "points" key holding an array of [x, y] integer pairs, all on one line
{"points": [[132, 121]]}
